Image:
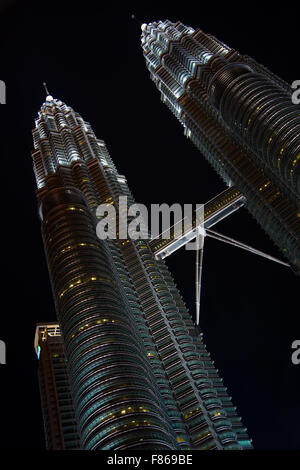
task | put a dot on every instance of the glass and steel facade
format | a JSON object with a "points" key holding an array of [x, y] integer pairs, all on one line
{"points": [[140, 376], [240, 116]]}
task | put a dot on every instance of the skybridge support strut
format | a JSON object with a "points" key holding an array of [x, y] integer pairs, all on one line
{"points": [[215, 210]]}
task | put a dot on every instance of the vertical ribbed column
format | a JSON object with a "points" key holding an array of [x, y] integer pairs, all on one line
{"points": [[116, 402], [263, 115]]}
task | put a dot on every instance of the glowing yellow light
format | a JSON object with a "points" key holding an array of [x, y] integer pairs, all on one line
{"points": [[264, 186]]}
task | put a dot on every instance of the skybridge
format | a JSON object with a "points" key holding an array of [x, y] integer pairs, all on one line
{"points": [[215, 210]]}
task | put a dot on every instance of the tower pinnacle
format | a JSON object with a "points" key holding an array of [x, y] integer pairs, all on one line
{"points": [[143, 25], [48, 97]]}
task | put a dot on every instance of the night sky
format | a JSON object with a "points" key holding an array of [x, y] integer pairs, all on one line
{"points": [[92, 60]]}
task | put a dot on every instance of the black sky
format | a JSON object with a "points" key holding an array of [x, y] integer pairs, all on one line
{"points": [[91, 59]]}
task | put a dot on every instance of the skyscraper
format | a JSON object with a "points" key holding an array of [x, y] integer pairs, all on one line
{"points": [[139, 374], [240, 116], [57, 404]]}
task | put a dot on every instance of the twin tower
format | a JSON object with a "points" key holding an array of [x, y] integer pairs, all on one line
{"points": [[124, 366]]}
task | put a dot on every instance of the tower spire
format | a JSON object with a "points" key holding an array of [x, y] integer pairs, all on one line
{"points": [[142, 25], [133, 17], [48, 96], [46, 89]]}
